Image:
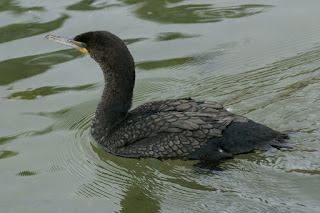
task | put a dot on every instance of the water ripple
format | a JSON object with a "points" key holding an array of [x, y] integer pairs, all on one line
{"points": [[16, 69], [11, 5], [13, 31], [7, 154], [174, 35], [89, 5], [30, 94], [169, 12]]}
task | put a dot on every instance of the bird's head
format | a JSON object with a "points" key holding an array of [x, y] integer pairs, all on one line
{"points": [[104, 47]]}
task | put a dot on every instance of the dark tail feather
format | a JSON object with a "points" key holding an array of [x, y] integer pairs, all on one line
{"points": [[273, 145], [282, 145], [239, 138]]}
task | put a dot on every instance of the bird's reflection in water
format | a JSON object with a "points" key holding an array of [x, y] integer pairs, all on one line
{"points": [[140, 185]]}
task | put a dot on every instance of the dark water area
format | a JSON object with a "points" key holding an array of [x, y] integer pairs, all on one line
{"points": [[260, 59]]}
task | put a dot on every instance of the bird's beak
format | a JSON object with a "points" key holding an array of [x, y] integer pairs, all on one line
{"points": [[69, 42]]}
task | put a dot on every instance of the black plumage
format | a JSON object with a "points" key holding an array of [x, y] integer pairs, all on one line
{"points": [[181, 128]]}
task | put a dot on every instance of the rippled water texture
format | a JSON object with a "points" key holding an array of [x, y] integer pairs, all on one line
{"points": [[259, 58]]}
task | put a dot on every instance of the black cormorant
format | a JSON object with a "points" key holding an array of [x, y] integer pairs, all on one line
{"points": [[179, 128]]}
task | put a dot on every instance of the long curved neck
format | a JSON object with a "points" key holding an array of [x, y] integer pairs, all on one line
{"points": [[116, 98]]}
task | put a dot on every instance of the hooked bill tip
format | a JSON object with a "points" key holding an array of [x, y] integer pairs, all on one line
{"points": [[50, 36]]}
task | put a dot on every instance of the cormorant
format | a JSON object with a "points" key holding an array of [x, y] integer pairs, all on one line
{"points": [[178, 128]]}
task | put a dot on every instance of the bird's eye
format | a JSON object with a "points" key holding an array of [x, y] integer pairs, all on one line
{"points": [[83, 45]]}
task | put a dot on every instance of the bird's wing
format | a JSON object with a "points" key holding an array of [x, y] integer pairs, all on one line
{"points": [[168, 133]]}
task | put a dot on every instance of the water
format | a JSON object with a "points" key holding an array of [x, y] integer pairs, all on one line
{"points": [[258, 58]]}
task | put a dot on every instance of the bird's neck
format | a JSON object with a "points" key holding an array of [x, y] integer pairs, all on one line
{"points": [[115, 101]]}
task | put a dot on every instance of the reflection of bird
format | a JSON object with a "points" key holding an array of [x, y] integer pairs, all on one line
{"points": [[180, 128]]}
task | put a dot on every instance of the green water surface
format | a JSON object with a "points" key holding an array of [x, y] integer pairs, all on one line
{"points": [[259, 58]]}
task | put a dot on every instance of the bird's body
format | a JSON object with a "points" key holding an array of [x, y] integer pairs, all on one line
{"points": [[180, 128], [186, 129]]}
